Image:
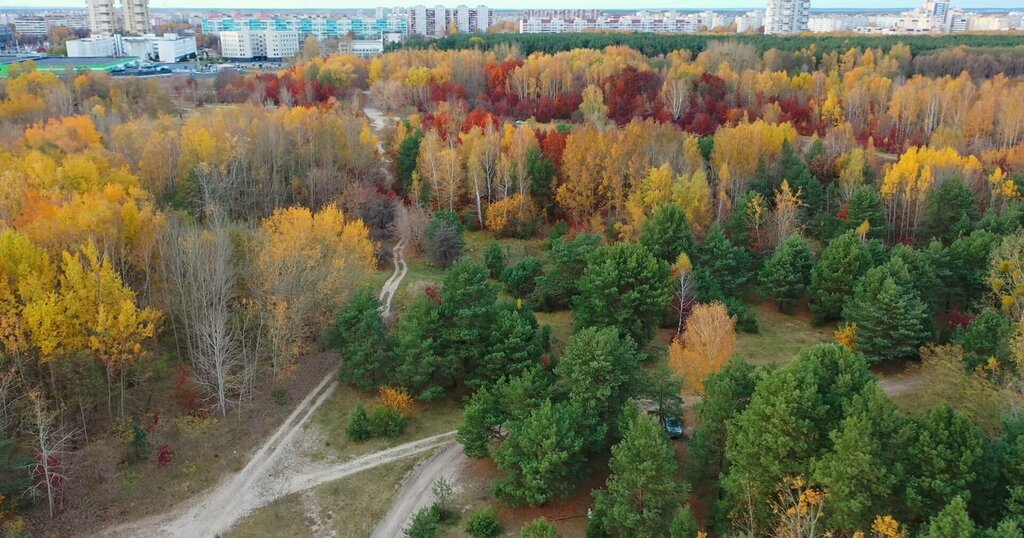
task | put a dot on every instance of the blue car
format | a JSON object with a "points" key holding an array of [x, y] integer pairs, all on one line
{"points": [[673, 427]]}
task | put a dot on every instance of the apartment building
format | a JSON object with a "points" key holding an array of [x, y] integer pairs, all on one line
{"points": [[102, 20], [660, 23], [787, 16], [438, 20], [248, 44], [40, 24], [136, 16], [321, 28]]}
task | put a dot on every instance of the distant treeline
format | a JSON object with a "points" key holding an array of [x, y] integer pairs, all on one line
{"points": [[656, 45]]}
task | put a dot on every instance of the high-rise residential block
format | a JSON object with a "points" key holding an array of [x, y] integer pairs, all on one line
{"points": [[787, 16], [136, 16], [101, 17]]}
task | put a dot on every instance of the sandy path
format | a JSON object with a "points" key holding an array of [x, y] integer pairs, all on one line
{"points": [[218, 509], [415, 492], [391, 286]]}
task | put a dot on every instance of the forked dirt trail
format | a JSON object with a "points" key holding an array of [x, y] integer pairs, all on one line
{"points": [[278, 467], [416, 490]]}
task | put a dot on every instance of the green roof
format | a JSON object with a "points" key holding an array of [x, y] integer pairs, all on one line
{"points": [[62, 63]]}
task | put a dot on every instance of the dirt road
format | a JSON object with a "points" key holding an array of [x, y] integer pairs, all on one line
{"points": [[416, 490], [387, 293], [220, 508]]}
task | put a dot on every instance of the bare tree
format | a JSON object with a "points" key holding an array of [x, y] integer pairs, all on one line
{"points": [[410, 226], [676, 93], [202, 277], [51, 439]]}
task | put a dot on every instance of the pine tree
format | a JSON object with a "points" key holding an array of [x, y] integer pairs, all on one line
{"points": [[421, 366], [567, 262], [541, 457], [641, 494], [860, 474], [952, 209], [723, 263], [786, 273], [493, 409], [726, 394], [841, 264], [785, 426], [598, 373], [667, 233], [684, 525], [951, 522], [359, 425], [494, 260], [892, 321], [942, 460], [514, 347], [359, 334], [866, 206], [624, 286], [468, 307]]}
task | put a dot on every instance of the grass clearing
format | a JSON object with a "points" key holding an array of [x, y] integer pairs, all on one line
{"points": [[561, 328], [940, 379], [781, 338], [351, 506], [426, 419]]}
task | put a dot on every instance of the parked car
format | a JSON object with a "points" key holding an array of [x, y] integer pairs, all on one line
{"points": [[673, 427]]}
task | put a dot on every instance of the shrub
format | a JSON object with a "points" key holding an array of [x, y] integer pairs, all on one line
{"points": [[424, 524], [164, 455], [397, 398], [515, 216], [521, 279], [540, 528], [386, 422], [483, 524], [559, 230], [359, 425]]}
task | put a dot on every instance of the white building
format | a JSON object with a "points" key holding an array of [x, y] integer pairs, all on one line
{"points": [[836, 22], [172, 48], [669, 22], [136, 16], [248, 44], [168, 48], [40, 24], [436, 21], [92, 47], [362, 47], [320, 27], [787, 16], [101, 17], [749, 22]]}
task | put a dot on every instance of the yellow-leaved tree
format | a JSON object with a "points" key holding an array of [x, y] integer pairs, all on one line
{"points": [[90, 309], [306, 266], [706, 345]]}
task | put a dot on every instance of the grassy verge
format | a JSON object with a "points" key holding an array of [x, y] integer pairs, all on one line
{"points": [[426, 419], [351, 506]]}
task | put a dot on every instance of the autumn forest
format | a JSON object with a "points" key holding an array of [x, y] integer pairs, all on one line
{"points": [[808, 253]]}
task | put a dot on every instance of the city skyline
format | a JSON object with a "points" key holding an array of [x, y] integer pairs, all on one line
{"points": [[518, 4]]}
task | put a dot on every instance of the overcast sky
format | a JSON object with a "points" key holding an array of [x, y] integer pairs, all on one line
{"points": [[521, 4]]}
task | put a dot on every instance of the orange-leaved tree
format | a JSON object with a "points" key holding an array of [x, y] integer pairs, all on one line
{"points": [[706, 345]]}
